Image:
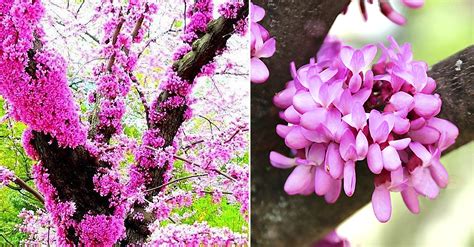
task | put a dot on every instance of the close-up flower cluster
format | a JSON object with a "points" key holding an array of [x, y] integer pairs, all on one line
{"points": [[346, 112]]}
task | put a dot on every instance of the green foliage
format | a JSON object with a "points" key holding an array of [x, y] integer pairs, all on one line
{"points": [[12, 201], [223, 214]]}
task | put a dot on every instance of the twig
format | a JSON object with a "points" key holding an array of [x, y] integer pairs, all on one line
{"points": [[232, 137], [210, 122], [176, 180], [26, 187], [214, 170], [6, 240]]}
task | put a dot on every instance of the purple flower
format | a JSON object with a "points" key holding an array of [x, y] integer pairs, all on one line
{"points": [[261, 45], [344, 109], [387, 9]]}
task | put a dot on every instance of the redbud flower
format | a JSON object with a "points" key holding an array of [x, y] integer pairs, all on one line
{"points": [[261, 45], [387, 9], [6, 176], [342, 108]]}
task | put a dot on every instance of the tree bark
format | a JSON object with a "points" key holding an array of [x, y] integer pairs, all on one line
{"points": [[282, 220]]}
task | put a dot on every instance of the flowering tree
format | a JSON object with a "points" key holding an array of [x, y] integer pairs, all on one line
{"points": [[335, 116], [141, 122]]}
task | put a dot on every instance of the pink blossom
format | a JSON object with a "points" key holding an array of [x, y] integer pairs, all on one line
{"points": [[6, 176], [261, 45], [387, 9], [345, 108]]}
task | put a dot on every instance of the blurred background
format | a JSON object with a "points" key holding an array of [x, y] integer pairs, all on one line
{"points": [[436, 31]]}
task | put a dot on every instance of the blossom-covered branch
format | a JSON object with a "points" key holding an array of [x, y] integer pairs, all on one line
{"points": [[7, 176], [171, 108]]}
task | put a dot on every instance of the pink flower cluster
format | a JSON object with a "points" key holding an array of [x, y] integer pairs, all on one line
{"points": [[261, 45], [61, 212], [114, 80], [230, 9], [6, 176], [100, 230], [198, 234], [338, 115], [36, 78], [38, 226], [200, 15], [387, 9], [26, 141], [91, 230], [219, 155]]}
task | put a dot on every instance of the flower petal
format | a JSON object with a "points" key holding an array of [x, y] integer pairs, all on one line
{"points": [[374, 158], [402, 101], [369, 52], [296, 140], [391, 159], [334, 161], [322, 181], [355, 83], [299, 179], [439, 173], [362, 145], [334, 191], [259, 71], [346, 55], [400, 144], [267, 50], [424, 183], [312, 119], [280, 161], [349, 178], [347, 146], [283, 130], [381, 203], [427, 105], [357, 62], [410, 197], [291, 115], [317, 153], [284, 98], [303, 102], [421, 152], [426, 135]]}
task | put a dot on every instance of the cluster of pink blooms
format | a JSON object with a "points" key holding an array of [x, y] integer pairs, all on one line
{"points": [[338, 115], [38, 226], [91, 230], [6, 176], [230, 8], [217, 156], [42, 83], [261, 45], [387, 9], [200, 14], [178, 91], [114, 81], [61, 212], [198, 234]]}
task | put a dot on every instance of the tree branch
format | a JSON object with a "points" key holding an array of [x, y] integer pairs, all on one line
{"points": [[26, 187], [282, 220], [188, 67]]}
